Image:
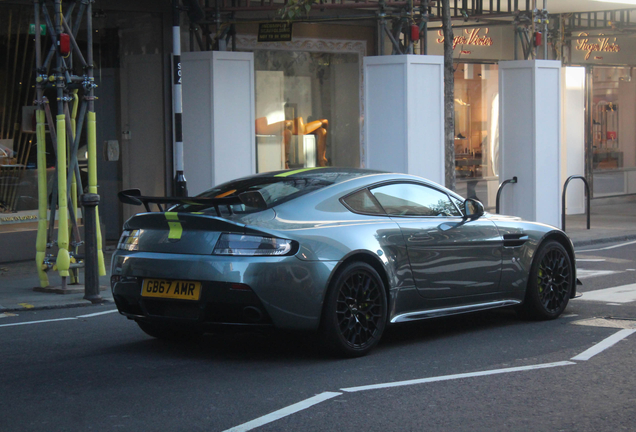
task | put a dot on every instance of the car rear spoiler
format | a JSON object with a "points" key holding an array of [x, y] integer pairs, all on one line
{"points": [[250, 199]]}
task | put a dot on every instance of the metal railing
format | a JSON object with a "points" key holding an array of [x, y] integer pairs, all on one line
{"points": [[587, 201], [501, 186]]}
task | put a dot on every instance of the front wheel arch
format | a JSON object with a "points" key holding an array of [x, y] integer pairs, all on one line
{"points": [[355, 311], [562, 239], [366, 258], [550, 281]]}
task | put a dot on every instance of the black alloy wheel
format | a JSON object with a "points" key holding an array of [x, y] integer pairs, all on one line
{"points": [[550, 283], [355, 310]]}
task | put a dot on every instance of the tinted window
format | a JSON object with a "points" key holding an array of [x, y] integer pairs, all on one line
{"points": [[275, 190], [408, 199], [363, 202], [459, 203]]}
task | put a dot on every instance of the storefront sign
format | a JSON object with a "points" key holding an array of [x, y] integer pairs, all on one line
{"points": [[275, 32], [476, 36], [601, 44], [475, 43]]}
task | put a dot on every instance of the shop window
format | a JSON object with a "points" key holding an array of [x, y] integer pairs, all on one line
{"points": [[613, 111], [477, 131], [18, 176], [307, 109]]}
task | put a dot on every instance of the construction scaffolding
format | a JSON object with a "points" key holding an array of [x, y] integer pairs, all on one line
{"points": [[404, 22], [65, 76]]}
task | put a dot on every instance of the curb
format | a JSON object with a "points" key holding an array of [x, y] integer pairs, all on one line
{"points": [[59, 306], [597, 241]]}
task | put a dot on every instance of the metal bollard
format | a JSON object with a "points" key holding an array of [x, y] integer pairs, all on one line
{"points": [[91, 278]]}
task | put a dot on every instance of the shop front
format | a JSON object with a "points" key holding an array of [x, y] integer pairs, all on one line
{"points": [[477, 51], [611, 104], [309, 106]]}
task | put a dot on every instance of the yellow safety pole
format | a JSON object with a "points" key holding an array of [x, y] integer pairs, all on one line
{"points": [[74, 128], [63, 258], [92, 183], [40, 243], [74, 274], [63, 261], [91, 130]]}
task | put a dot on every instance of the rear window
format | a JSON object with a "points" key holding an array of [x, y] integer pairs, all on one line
{"points": [[274, 191], [363, 202]]}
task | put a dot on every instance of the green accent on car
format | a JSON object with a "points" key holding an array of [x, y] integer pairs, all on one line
{"points": [[288, 173], [176, 230]]}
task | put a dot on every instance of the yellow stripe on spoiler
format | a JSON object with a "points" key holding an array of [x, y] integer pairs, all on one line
{"points": [[176, 230], [288, 173]]}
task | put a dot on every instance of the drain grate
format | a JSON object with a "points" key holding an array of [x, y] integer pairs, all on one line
{"points": [[610, 322]]}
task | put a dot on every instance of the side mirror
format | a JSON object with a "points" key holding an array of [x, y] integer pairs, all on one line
{"points": [[473, 209]]}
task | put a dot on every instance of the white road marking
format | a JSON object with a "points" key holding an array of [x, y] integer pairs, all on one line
{"points": [[97, 314], [456, 376], [607, 248], [582, 273], [277, 415], [307, 403], [578, 260], [57, 319], [603, 345], [619, 294], [617, 323], [36, 322]]}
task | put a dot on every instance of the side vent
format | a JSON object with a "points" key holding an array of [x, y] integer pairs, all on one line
{"points": [[514, 240]]}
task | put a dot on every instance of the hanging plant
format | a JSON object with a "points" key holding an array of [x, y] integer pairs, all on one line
{"points": [[295, 9]]}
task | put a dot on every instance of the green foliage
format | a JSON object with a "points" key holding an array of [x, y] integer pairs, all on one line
{"points": [[295, 9]]}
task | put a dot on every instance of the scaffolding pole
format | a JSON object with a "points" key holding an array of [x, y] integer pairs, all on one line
{"points": [[65, 129]]}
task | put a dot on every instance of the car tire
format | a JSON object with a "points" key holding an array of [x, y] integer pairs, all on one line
{"points": [[550, 282], [168, 332], [355, 311]]}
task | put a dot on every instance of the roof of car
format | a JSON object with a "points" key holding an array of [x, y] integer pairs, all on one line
{"points": [[331, 174]]}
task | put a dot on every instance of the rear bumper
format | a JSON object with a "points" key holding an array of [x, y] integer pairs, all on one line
{"points": [[284, 292]]}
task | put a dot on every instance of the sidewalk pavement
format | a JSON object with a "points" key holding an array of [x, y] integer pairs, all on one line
{"points": [[612, 220]]}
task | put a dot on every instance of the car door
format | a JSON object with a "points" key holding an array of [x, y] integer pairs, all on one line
{"points": [[450, 256]]}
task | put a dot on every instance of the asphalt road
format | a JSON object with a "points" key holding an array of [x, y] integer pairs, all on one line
{"points": [[91, 369]]}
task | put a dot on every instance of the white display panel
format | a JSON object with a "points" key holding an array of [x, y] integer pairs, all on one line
{"points": [[573, 148], [218, 118], [530, 139], [404, 106]]}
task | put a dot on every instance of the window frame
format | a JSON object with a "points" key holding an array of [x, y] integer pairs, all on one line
{"points": [[390, 182]]}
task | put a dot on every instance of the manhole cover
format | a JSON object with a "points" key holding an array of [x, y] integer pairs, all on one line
{"points": [[621, 323]]}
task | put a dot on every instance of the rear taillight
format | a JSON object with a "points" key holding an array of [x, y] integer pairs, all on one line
{"points": [[251, 245], [129, 240]]}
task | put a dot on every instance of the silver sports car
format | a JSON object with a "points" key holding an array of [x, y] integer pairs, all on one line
{"points": [[344, 252]]}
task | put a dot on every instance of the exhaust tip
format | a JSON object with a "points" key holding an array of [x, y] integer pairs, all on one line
{"points": [[252, 314]]}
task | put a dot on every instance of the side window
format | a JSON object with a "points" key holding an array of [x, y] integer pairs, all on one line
{"points": [[363, 202], [409, 199], [459, 203]]}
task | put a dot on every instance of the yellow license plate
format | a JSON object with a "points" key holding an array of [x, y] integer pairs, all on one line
{"points": [[174, 289]]}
